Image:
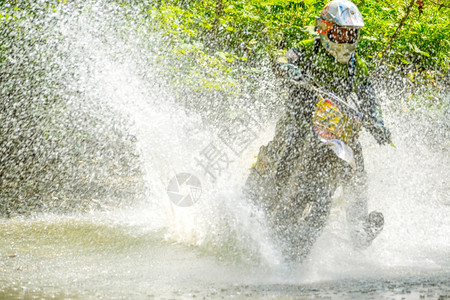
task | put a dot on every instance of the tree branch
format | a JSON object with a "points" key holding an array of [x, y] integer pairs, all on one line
{"points": [[408, 10]]}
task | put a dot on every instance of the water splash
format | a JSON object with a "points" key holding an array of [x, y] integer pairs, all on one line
{"points": [[118, 75], [125, 79]]}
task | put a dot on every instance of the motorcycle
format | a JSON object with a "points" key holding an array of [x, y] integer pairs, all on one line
{"points": [[298, 207]]}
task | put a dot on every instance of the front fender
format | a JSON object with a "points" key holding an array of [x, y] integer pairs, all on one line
{"points": [[342, 151]]}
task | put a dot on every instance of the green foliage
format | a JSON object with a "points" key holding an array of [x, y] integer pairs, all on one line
{"points": [[422, 41], [243, 32]]}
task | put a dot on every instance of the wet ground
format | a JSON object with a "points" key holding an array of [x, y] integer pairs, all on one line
{"points": [[83, 258]]}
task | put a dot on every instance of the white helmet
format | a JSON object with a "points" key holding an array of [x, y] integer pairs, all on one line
{"points": [[338, 26]]}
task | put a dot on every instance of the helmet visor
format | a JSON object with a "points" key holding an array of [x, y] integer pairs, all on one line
{"points": [[342, 35]]}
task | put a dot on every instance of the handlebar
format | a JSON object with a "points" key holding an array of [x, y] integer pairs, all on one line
{"points": [[311, 85]]}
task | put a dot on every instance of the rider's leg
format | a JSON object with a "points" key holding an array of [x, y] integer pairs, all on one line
{"points": [[291, 151], [260, 185], [364, 227], [293, 138], [270, 155]]}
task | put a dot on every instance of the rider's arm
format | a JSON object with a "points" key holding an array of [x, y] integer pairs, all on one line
{"points": [[286, 66], [291, 65]]}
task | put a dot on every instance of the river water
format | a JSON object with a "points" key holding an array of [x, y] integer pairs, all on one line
{"points": [[218, 247]]}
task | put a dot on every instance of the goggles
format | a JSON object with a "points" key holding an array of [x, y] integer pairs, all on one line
{"points": [[340, 35]]}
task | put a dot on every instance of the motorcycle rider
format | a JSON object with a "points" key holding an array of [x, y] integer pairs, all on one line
{"points": [[330, 61]]}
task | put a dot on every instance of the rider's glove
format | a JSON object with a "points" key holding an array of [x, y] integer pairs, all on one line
{"points": [[381, 134], [289, 71]]}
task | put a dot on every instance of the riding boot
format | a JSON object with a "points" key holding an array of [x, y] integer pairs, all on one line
{"points": [[370, 229], [373, 225]]}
